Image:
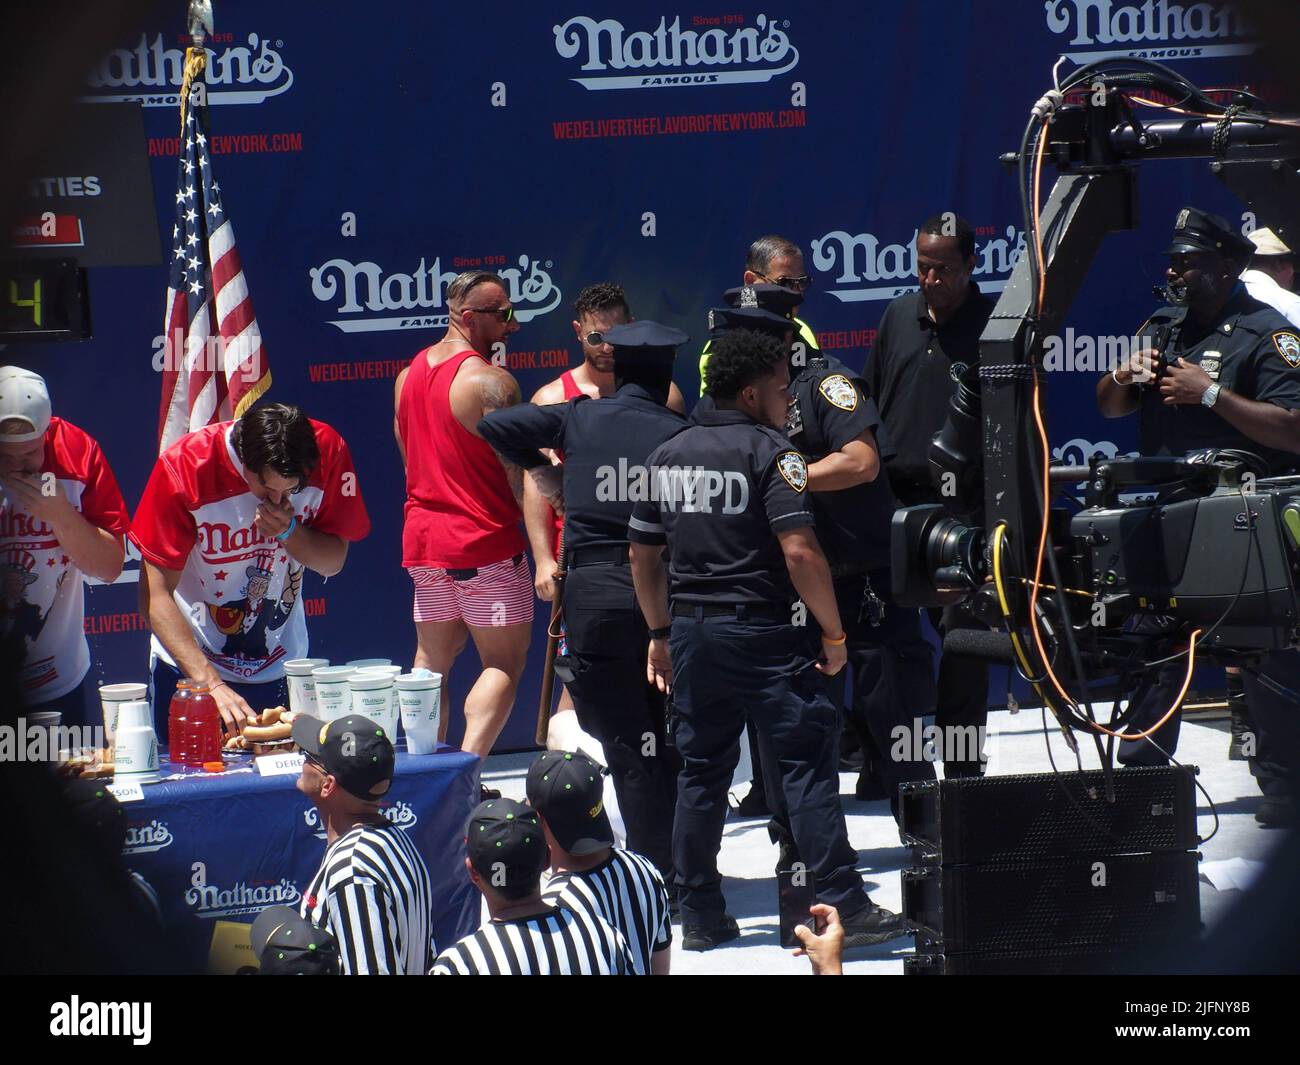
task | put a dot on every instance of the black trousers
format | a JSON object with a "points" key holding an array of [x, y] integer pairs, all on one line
{"points": [[607, 640], [962, 706], [1275, 717], [725, 669]]}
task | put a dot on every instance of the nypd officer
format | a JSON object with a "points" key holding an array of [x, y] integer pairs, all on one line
{"points": [[605, 444], [1217, 369], [729, 500]]}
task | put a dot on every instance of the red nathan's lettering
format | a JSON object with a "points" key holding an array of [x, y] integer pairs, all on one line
{"points": [[847, 338], [361, 370], [522, 360], [106, 624]]}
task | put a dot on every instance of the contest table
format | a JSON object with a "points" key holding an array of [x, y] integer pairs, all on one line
{"points": [[220, 847]]}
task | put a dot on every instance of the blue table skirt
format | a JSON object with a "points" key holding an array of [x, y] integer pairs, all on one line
{"points": [[222, 847]]}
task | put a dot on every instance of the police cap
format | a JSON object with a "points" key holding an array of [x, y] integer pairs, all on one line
{"points": [[644, 343], [775, 298], [1201, 231], [724, 319]]}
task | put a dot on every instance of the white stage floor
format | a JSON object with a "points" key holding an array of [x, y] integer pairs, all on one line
{"points": [[1015, 745]]}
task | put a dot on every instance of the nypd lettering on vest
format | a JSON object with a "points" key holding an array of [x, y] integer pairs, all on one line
{"points": [[839, 392], [695, 490]]}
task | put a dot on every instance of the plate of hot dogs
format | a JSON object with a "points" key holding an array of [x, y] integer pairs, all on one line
{"points": [[268, 733]]}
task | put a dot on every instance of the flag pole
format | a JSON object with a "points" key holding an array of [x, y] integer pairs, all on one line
{"points": [[199, 17]]}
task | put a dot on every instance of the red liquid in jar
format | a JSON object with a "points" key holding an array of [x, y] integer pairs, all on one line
{"points": [[205, 727], [178, 724]]}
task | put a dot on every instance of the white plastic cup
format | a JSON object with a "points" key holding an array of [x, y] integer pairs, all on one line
{"points": [[392, 673], [372, 697], [111, 698], [420, 697], [333, 696], [135, 748], [363, 663], [302, 685]]}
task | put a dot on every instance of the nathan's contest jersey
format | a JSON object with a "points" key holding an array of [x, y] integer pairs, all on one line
{"points": [[42, 603], [240, 591], [721, 491]]}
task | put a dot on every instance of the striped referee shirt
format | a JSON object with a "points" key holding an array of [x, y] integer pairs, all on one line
{"points": [[372, 893], [556, 943], [627, 891]]}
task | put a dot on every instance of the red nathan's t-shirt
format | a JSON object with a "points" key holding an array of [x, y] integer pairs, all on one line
{"points": [[42, 603], [460, 511], [241, 592]]}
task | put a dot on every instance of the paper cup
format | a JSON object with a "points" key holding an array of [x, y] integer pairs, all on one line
{"points": [[372, 697], [302, 685], [112, 696], [420, 699], [362, 663], [135, 747], [333, 696]]}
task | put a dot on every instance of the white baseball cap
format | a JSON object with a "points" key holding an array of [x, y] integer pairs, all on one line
{"points": [[23, 395], [1267, 242]]}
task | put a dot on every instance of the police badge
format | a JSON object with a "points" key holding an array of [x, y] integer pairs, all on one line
{"points": [[1288, 346], [1211, 362], [1182, 219], [839, 390], [748, 297], [793, 469]]}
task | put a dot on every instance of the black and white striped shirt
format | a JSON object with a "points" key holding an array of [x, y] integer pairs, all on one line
{"points": [[556, 943], [372, 893], [627, 891]]}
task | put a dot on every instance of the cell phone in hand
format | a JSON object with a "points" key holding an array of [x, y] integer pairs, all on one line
{"points": [[796, 891]]}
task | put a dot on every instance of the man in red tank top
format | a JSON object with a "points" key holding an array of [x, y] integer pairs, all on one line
{"points": [[597, 308], [461, 539]]}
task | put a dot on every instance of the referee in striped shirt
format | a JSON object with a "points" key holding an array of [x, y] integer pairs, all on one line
{"points": [[525, 936], [590, 874], [372, 891]]}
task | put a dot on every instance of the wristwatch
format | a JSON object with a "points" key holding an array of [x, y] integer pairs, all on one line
{"points": [[1210, 396], [661, 634]]}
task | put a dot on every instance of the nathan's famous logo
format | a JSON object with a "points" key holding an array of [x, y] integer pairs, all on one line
{"points": [[212, 900], [151, 73], [364, 289], [1156, 29], [145, 839], [398, 813], [671, 55], [867, 269]]}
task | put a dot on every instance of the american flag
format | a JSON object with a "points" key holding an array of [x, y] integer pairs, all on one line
{"points": [[209, 374]]}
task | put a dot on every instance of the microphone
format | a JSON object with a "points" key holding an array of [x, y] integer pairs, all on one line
{"points": [[980, 643]]}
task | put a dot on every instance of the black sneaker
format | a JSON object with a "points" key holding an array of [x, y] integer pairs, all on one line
{"points": [[754, 804], [869, 788], [872, 924], [706, 937], [787, 859], [1276, 811], [485, 793]]}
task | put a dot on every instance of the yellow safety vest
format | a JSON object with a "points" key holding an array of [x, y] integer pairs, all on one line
{"points": [[805, 334]]}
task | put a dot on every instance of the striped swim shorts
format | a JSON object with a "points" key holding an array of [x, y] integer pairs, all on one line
{"points": [[494, 595]]}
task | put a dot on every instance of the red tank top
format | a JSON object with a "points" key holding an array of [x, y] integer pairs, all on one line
{"points": [[460, 511], [571, 391]]}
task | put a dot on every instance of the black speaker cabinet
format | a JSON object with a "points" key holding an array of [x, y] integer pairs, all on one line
{"points": [[1087, 961], [1048, 815]]}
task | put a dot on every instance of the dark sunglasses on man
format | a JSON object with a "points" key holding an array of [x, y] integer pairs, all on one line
{"points": [[795, 284], [504, 314]]}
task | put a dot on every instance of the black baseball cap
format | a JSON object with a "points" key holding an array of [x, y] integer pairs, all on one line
{"points": [[504, 837], [725, 319], [1201, 231], [644, 343], [287, 944], [567, 789], [775, 298], [353, 749]]}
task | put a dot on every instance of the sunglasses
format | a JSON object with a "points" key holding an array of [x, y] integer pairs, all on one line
{"points": [[313, 760], [798, 284], [504, 314], [594, 339]]}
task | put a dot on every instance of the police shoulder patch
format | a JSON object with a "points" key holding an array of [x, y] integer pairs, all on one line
{"points": [[1288, 346], [839, 391], [794, 469]]}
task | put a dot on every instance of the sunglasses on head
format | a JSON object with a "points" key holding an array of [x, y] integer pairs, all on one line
{"points": [[504, 314]]}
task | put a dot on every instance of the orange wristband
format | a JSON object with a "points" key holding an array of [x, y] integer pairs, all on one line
{"points": [[835, 643]]}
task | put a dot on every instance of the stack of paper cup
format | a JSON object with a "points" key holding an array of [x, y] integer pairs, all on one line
{"points": [[333, 696], [420, 697], [135, 746], [392, 673], [111, 698], [365, 663], [302, 685], [372, 697]]}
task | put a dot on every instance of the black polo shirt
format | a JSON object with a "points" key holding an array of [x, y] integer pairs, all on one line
{"points": [[1251, 349], [721, 490], [912, 372], [605, 442]]}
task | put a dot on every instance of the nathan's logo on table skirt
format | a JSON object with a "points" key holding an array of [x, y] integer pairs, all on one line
{"points": [[399, 814], [1156, 29], [720, 50], [212, 900], [366, 290], [867, 268], [145, 839], [246, 73]]}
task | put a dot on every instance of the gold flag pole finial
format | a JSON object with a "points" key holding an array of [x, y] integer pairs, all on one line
{"points": [[196, 56]]}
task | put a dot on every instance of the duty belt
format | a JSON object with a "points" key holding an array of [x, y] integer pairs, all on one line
{"points": [[599, 555], [735, 610]]}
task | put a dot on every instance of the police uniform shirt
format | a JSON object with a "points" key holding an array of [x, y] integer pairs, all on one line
{"points": [[605, 444], [828, 409], [912, 373], [1251, 350], [721, 490]]}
